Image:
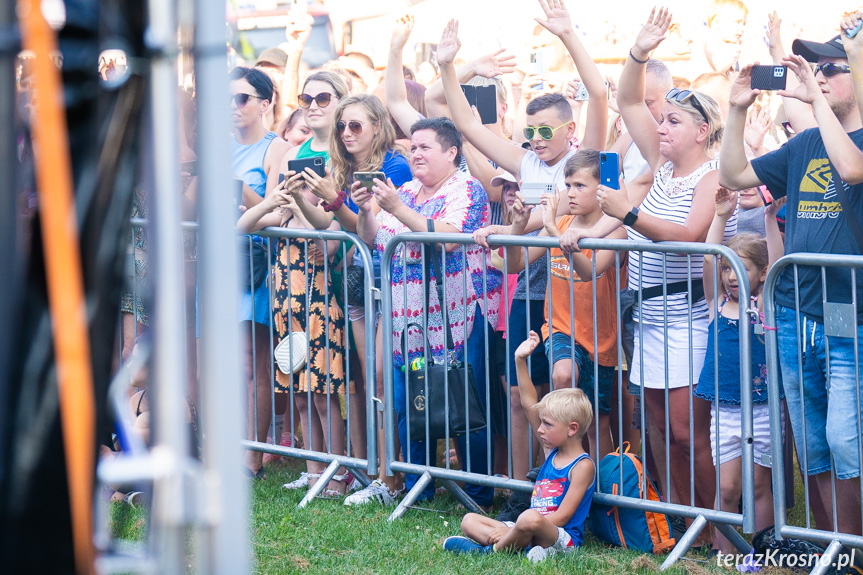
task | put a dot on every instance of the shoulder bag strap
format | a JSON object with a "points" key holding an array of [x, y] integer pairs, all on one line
{"points": [[850, 216], [435, 265]]}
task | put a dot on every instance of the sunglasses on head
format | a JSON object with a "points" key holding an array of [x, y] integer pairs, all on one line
{"points": [[354, 126], [682, 96], [322, 100], [829, 69], [545, 132], [241, 100]]}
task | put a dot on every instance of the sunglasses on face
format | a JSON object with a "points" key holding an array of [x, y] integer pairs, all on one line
{"points": [[354, 126], [545, 132], [241, 100], [829, 69], [682, 96], [322, 100]]}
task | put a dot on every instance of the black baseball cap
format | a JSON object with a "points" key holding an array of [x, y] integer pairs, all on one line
{"points": [[814, 50]]}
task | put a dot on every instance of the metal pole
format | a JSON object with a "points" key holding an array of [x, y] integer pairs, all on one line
{"points": [[226, 544]]}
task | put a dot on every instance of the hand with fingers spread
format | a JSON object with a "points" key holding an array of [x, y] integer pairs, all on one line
{"points": [[652, 33], [557, 20], [773, 208], [742, 95], [402, 31], [449, 44], [321, 187], [494, 64], [726, 202], [525, 348], [757, 125], [808, 90], [849, 22]]}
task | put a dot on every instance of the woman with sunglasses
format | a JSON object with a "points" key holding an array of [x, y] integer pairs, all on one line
{"points": [[256, 156], [321, 94], [364, 141], [678, 207]]}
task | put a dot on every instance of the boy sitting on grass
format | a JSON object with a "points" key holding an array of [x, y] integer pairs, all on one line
{"points": [[565, 485]]}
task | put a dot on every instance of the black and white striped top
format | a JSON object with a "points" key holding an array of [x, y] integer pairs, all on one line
{"points": [[670, 199]]}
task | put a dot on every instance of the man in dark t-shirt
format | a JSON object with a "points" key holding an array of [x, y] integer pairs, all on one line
{"points": [[807, 170]]}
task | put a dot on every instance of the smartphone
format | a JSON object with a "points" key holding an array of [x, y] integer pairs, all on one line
{"points": [[281, 178], [532, 192], [765, 194], [581, 94], [485, 100], [316, 164], [609, 170], [768, 77], [535, 65], [368, 178]]}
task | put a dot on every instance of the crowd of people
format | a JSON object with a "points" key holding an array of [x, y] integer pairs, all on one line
{"points": [[708, 160]]}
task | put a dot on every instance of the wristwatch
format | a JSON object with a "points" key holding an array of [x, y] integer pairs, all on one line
{"points": [[630, 218]]}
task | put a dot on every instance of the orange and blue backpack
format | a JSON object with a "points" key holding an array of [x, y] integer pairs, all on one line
{"points": [[629, 528]]}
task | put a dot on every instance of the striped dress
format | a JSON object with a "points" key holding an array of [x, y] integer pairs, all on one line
{"points": [[670, 199]]}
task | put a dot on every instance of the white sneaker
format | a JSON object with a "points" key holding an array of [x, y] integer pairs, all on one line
{"points": [[538, 553], [376, 491], [303, 481]]}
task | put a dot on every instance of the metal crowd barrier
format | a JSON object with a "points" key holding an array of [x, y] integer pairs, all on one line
{"points": [[839, 321], [725, 520], [359, 464]]}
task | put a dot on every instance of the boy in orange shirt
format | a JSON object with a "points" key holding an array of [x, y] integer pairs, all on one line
{"points": [[570, 346]]}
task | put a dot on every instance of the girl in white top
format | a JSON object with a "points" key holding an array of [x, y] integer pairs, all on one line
{"points": [[678, 207]]}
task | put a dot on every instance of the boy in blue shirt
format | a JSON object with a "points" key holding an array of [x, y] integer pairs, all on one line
{"points": [[564, 486]]}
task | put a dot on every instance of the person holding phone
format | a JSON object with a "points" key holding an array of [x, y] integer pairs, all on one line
{"points": [[678, 207], [256, 156], [820, 218]]}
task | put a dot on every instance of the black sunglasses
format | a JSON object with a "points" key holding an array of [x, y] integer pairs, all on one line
{"points": [[354, 126], [322, 100], [829, 69], [682, 96], [241, 100]]}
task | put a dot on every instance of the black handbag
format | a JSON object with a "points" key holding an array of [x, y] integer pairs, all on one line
{"points": [[257, 253], [439, 392], [355, 277]]}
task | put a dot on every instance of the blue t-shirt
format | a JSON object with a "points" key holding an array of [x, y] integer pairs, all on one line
{"points": [[549, 490], [815, 223], [396, 168]]}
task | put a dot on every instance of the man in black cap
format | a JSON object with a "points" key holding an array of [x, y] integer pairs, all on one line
{"points": [[819, 171]]}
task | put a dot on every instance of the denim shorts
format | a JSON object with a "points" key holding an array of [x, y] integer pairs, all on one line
{"points": [[829, 399], [559, 346]]}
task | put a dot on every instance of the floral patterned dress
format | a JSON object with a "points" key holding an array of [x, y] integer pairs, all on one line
{"points": [[461, 202], [305, 301]]}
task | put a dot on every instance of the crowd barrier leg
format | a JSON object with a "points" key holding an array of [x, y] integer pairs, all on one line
{"points": [[411, 496], [685, 542], [462, 496]]}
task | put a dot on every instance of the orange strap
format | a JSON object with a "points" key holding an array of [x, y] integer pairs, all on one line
{"points": [[65, 282]]}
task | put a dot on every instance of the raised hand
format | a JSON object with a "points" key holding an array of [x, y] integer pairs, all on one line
{"points": [[402, 31], [773, 208], [449, 43], [808, 90], [520, 212], [774, 42], [614, 203], [557, 20], [757, 125], [742, 95], [527, 346], [297, 32], [849, 22], [494, 64], [726, 202], [653, 32]]}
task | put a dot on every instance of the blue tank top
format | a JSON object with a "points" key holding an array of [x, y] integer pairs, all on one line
{"points": [[551, 486], [247, 162], [728, 344]]}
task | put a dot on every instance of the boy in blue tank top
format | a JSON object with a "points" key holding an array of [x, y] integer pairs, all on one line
{"points": [[565, 484]]}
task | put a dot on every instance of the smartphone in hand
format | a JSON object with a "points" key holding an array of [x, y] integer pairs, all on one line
{"points": [[609, 170], [368, 178], [768, 77], [316, 164], [532, 192]]}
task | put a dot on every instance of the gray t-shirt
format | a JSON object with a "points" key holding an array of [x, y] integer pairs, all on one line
{"points": [[751, 221], [536, 275]]}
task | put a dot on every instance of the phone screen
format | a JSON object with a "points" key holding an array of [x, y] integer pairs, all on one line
{"points": [[765, 194]]}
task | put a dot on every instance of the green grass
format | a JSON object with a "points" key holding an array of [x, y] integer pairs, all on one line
{"points": [[327, 537]]}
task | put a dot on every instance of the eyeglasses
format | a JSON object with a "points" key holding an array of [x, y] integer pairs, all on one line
{"points": [[322, 100], [829, 69], [545, 132], [354, 126], [241, 100], [682, 96]]}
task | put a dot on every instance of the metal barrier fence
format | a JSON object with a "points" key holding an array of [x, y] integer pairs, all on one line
{"points": [[822, 381], [293, 273], [392, 283]]}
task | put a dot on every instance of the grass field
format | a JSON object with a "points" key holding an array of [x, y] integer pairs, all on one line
{"points": [[327, 537]]}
